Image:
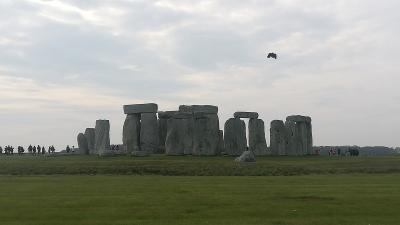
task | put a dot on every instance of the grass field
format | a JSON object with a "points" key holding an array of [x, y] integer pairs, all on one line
{"points": [[318, 191], [195, 166]]}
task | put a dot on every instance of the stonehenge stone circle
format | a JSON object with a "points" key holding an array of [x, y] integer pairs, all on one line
{"points": [[235, 137], [90, 134], [257, 142], [82, 144], [246, 156], [250, 115], [141, 108], [205, 135], [102, 137], [179, 140], [131, 133], [149, 133], [278, 138]]}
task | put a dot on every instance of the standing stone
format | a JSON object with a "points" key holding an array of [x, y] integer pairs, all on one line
{"points": [[257, 142], [221, 145], [149, 133], [300, 133], [278, 138], [102, 137], [131, 133], [82, 144], [179, 140], [293, 140], [235, 136], [90, 134], [205, 138], [162, 134]]}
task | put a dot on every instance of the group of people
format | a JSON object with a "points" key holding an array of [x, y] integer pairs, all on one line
{"points": [[9, 150]]}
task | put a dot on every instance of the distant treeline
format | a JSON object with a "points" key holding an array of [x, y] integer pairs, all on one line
{"points": [[364, 151]]}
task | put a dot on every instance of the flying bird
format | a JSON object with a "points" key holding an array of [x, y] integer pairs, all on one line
{"points": [[272, 55]]}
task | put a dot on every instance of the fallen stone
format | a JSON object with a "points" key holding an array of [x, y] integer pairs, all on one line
{"points": [[82, 144], [246, 156], [131, 133], [149, 133], [205, 138], [257, 142], [198, 108], [90, 138], [141, 108], [235, 137], [251, 115], [102, 136]]}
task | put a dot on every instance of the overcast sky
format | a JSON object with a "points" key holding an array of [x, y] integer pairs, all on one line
{"points": [[64, 64]]}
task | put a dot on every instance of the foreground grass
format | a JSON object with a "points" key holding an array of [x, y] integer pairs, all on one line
{"points": [[195, 166], [302, 200]]}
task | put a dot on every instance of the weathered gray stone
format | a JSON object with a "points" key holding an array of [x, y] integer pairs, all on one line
{"points": [[82, 144], [149, 133], [251, 115], [205, 138], [278, 138], [179, 140], [235, 136], [221, 145], [182, 115], [162, 134], [131, 133], [90, 138], [198, 108], [102, 136], [166, 114], [246, 156], [257, 142], [140, 108], [300, 135]]}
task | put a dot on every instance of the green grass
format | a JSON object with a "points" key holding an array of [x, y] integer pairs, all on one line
{"points": [[199, 190], [195, 166], [357, 199]]}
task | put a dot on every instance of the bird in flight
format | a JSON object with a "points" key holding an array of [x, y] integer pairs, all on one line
{"points": [[272, 55]]}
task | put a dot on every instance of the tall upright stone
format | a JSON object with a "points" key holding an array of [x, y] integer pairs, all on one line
{"points": [[90, 138], [179, 140], [131, 133], [102, 137], [257, 142], [221, 144], [82, 144], [278, 138], [235, 137], [149, 133], [163, 117], [205, 138], [300, 135]]}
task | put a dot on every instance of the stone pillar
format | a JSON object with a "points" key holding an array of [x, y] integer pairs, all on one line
{"points": [[82, 144], [149, 133], [235, 137], [90, 134], [163, 117], [278, 138], [179, 139], [221, 144], [131, 133], [102, 137], [257, 142], [300, 133], [206, 128]]}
